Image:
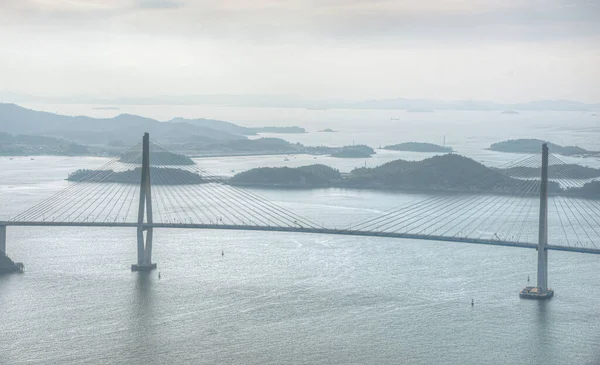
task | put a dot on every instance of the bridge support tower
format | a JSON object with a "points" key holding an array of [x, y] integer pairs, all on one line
{"points": [[2, 240], [144, 234], [541, 291], [6, 264]]}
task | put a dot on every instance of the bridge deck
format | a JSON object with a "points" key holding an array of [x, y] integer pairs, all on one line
{"points": [[343, 232]]}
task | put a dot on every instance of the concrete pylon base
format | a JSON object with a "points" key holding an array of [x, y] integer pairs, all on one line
{"points": [[532, 292], [149, 267]]}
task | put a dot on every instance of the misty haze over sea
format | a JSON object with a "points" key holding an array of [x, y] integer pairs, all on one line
{"points": [[402, 98]]}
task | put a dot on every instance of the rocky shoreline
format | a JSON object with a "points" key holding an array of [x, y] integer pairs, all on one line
{"points": [[8, 266]]}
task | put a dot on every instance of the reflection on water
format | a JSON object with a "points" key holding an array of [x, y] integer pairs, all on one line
{"points": [[279, 298]]}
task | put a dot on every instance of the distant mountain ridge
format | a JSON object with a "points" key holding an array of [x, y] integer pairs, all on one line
{"points": [[128, 128], [427, 104], [291, 101], [219, 125]]}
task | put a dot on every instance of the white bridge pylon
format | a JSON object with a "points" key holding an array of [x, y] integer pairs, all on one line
{"points": [[144, 244], [171, 191]]}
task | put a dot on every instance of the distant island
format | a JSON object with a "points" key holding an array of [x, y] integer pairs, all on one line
{"points": [[418, 147], [27, 145], [510, 112], [535, 146], [271, 146], [327, 130], [158, 176], [259, 146], [590, 190], [357, 151], [161, 158], [429, 104], [290, 130], [312, 176], [442, 173], [291, 101], [449, 173]]}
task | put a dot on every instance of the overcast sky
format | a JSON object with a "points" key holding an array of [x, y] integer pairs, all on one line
{"points": [[502, 50]]}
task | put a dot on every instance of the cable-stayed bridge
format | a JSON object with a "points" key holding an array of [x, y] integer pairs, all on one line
{"points": [[165, 191]]}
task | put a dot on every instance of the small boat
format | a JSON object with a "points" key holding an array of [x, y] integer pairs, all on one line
{"points": [[286, 159]]}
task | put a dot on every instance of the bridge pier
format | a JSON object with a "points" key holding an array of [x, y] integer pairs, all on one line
{"points": [[144, 247], [2, 240], [144, 244], [7, 265], [541, 291]]}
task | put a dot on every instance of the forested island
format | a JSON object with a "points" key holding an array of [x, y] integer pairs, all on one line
{"points": [[271, 146], [443, 173], [440, 173], [535, 146], [312, 176], [355, 151], [449, 173], [27, 145], [590, 190], [418, 147], [161, 158], [158, 176]]}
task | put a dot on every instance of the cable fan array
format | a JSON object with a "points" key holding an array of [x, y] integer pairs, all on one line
{"points": [[92, 198], [573, 221], [215, 202], [472, 215], [185, 194], [501, 217], [181, 194]]}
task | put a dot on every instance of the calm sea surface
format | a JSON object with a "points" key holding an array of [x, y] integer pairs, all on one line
{"points": [[279, 298]]}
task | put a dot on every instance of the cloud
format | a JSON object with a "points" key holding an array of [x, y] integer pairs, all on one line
{"points": [[356, 20], [319, 20], [160, 4]]}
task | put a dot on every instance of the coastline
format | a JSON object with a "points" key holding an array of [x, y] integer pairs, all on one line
{"points": [[393, 190], [8, 266]]}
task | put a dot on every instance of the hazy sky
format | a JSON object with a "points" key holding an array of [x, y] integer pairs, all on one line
{"points": [[503, 50]]}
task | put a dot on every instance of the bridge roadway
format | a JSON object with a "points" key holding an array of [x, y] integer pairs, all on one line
{"points": [[343, 232]]}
